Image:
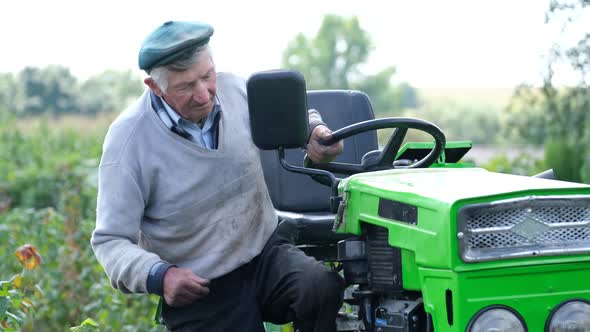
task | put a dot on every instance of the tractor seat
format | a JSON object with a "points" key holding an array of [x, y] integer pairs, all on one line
{"points": [[302, 204]]}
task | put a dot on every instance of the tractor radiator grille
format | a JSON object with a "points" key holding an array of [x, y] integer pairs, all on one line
{"points": [[385, 274], [530, 226]]}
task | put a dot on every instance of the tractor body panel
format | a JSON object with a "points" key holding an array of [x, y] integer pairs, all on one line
{"points": [[470, 239]]}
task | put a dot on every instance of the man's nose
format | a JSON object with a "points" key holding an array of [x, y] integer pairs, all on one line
{"points": [[201, 94]]}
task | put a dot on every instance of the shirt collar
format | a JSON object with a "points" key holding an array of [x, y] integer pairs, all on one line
{"points": [[178, 120]]}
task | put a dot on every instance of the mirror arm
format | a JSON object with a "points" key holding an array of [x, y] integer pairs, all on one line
{"points": [[334, 181]]}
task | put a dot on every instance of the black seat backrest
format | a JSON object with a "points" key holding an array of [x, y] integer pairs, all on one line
{"points": [[299, 193]]}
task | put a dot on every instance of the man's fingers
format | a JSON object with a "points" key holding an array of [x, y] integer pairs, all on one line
{"points": [[326, 135], [322, 133], [186, 292], [194, 286], [200, 286], [201, 281], [196, 289], [316, 152], [323, 153], [311, 152], [182, 286]]}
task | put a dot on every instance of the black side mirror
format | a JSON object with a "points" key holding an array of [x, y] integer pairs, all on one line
{"points": [[277, 102]]}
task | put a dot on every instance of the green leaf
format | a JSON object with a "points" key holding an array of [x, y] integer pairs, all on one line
{"points": [[38, 290], [3, 292], [3, 307], [4, 286], [89, 322], [87, 325], [14, 318]]}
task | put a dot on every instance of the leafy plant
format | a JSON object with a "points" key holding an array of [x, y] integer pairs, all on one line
{"points": [[88, 325], [16, 293], [48, 198]]}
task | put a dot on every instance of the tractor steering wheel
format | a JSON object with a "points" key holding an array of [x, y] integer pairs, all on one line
{"points": [[384, 159]]}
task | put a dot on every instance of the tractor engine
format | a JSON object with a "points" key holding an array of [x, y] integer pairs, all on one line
{"points": [[374, 267]]}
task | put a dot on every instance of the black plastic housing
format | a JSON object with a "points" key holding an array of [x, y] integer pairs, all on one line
{"points": [[277, 102]]}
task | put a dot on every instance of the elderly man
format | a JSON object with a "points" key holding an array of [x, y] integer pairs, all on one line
{"points": [[183, 210]]}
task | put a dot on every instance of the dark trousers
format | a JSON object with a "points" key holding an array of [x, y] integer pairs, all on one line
{"points": [[280, 285]]}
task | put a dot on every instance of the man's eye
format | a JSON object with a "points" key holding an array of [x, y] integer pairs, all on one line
{"points": [[208, 75]]}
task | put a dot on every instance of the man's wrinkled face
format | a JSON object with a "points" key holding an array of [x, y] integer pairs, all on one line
{"points": [[191, 93]]}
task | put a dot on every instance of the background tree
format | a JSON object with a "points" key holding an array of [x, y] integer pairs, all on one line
{"points": [[333, 59], [559, 117], [109, 91], [52, 89], [461, 121], [8, 93]]}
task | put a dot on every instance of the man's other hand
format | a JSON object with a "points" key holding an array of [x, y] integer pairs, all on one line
{"points": [[182, 286], [321, 153]]}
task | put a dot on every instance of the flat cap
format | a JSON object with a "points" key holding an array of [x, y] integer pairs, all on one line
{"points": [[168, 41]]}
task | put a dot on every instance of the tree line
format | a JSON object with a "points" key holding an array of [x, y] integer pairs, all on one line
{"points": [[554, 116], [340, 48], [332, 59], [54, 90]]}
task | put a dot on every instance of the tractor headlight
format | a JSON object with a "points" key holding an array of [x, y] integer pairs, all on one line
{"points": [[570, 316], [496, 319]]}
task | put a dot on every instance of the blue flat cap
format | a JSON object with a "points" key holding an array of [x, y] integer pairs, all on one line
{"points": [[168, 41]]}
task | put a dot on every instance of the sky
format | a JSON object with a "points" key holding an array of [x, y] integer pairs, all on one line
{"points": [[453, 43]]}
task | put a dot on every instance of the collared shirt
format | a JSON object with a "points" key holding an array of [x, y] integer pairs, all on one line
{"points": [[206, 136]]}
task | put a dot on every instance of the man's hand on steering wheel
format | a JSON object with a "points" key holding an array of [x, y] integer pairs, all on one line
{"points": [[379, 159], [319, 153]]}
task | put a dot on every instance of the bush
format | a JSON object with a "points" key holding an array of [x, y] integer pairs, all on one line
{"points": [[48, 199], [524, 164]]}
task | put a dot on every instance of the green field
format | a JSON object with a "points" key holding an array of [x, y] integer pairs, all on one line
{"points": [[48, 199]]}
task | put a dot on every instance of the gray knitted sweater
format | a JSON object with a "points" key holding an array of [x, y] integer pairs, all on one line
{"points": [[164, 198]]}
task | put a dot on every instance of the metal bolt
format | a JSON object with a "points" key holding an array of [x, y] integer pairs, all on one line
{"points": [[460, 235]]}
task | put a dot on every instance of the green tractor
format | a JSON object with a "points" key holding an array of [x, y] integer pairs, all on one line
{"points": [[424, 241]]}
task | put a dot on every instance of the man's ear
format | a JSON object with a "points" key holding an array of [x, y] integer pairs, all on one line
{"points": [[153, 86]]}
